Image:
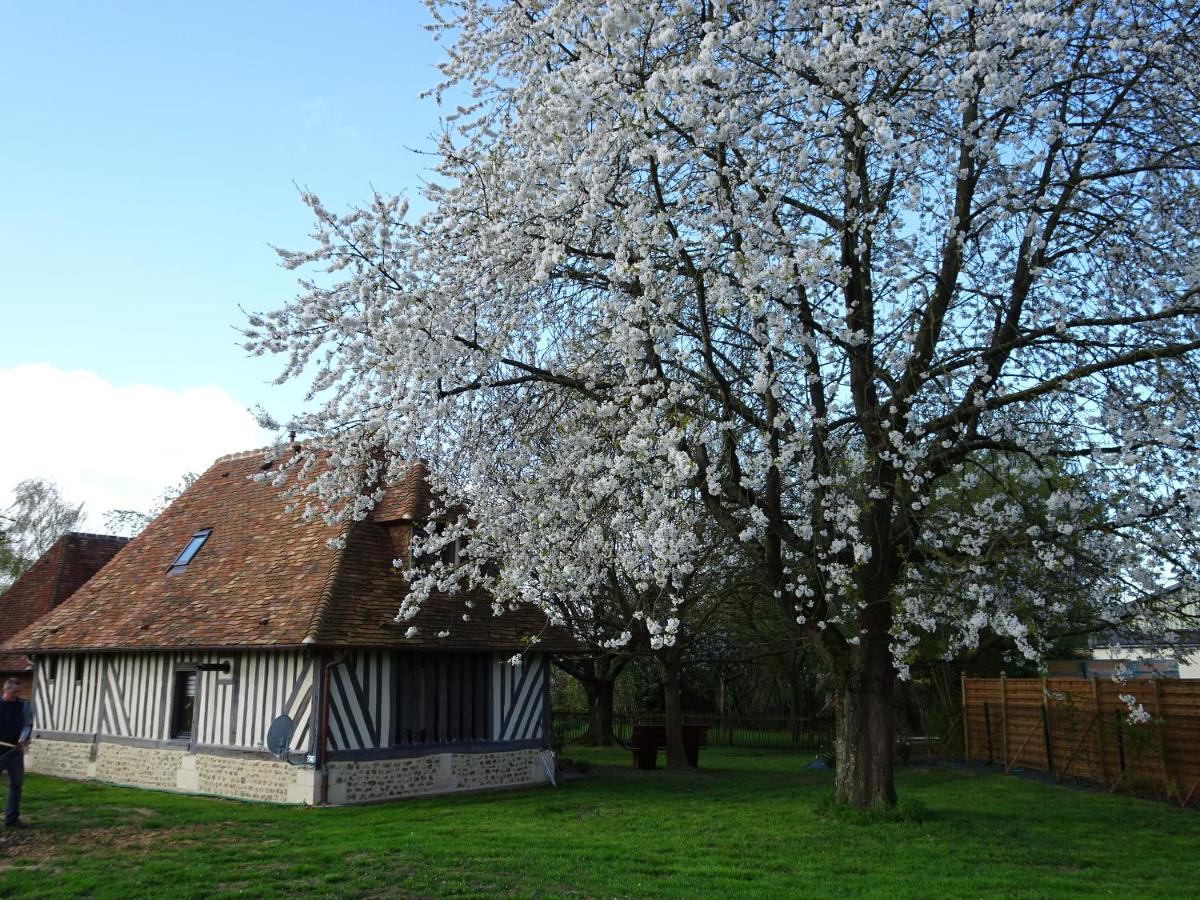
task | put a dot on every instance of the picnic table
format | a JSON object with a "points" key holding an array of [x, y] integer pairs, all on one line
{"points": [[648, 739]]}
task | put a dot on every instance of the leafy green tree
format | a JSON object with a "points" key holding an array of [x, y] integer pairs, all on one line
{"points": [[38, 516]]}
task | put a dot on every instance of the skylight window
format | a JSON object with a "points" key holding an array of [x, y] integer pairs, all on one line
{"points": [[192, 548]]}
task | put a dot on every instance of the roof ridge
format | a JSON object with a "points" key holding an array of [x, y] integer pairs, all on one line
{"points": [[317, 621], [242, 454], [92, 534]]}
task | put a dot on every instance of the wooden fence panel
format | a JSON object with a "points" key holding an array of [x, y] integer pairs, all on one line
{"points": [[1082, 728]]}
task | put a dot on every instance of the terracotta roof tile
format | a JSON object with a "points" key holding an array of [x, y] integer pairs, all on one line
{"points": [[410, 500], [376, 586], [267, 577]]}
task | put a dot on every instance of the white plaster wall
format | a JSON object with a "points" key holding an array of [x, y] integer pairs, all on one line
{"points": [[1189, 667]]}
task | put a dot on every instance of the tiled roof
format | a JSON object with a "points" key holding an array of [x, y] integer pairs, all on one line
{"points": [[408, 501], [59, 573], [266, 577], [367, 575]]}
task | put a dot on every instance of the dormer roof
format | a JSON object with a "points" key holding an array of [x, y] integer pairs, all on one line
{"points": [[56, 575]]}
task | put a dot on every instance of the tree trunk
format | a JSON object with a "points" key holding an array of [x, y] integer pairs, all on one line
{"points": [[598, 674], [669, 661], [865, 732], [600, 711]]}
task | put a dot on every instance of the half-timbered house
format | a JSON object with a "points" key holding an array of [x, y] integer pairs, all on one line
{"points": [[166, 669]]}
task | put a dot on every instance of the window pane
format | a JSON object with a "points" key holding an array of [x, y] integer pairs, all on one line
{"points": [[184, 704], [192, 548]]}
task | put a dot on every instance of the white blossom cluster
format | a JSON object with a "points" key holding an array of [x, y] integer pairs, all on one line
{"points": [[900, 298], [1137, 713]]}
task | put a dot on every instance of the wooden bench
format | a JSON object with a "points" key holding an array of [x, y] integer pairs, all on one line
{"points": [[649, 739]]}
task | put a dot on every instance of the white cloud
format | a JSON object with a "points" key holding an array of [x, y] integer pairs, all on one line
{"points": [[112, 447]]}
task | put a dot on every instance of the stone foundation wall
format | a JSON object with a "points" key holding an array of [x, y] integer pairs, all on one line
{"points": [[66, 759], [254, 779], [473, 771], [243, 778], [138, 766], [437, 773], [275, 781]]}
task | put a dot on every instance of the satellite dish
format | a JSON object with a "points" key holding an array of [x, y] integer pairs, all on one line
{"points": [[279, 735]]}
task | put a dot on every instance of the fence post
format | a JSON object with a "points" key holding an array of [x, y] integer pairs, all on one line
{"points": [[1046, 725], [1004, 714], [1161, 726], [1120, 746], [1046, 735], [1099, 731], [962, 680], [987, 728]]}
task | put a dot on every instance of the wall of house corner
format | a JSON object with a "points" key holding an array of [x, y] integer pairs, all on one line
{"points": [[144, 756]]}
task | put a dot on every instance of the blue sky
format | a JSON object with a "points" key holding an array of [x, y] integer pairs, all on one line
{"points": [[148, 159]]}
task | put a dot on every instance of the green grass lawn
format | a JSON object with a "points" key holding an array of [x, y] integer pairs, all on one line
{"points": [[745, 825]]}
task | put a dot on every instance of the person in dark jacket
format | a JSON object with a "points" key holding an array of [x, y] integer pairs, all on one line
{"points": [[16, 725]]}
